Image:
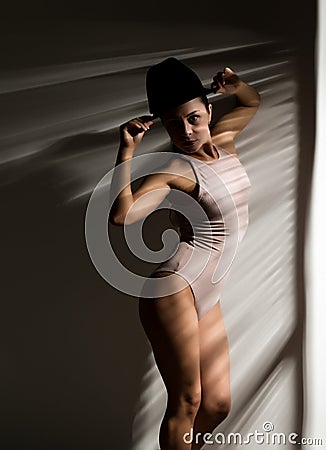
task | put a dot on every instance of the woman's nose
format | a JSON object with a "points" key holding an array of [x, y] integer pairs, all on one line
{"points": [[187, 128]]}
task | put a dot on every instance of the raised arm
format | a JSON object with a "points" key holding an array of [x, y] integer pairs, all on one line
{"points": [[225, 130], [130, 207]]}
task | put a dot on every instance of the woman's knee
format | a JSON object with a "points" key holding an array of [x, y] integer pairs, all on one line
{"points": [[185, 403], [217, 405]]}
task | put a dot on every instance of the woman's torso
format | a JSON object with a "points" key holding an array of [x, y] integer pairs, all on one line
{"points": [[212, 202]]}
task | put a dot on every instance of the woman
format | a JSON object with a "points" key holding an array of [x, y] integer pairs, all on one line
{"points": [[185, 327]]}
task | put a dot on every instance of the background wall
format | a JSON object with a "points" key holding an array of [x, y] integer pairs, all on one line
{"points": [[77, 371]]}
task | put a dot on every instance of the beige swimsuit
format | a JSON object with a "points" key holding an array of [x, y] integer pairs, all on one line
{"points": [[211, 226]]}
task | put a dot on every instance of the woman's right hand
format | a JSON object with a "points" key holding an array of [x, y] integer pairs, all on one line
{"points": [[132, 132]]}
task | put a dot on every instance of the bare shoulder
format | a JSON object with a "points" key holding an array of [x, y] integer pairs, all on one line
{"points": [[226, 142]]}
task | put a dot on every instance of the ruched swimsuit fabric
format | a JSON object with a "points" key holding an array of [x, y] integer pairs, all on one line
{"points": [[210, 234]]}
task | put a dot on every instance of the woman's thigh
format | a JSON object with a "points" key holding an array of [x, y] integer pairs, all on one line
{"points": [[171, 325], [214, 359]]}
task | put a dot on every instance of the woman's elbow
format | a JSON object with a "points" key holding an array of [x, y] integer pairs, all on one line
{"points": [[256, 101], [116, 219], [123, 220]]}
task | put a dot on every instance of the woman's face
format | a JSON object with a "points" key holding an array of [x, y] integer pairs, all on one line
{"points": [[188, 125]]}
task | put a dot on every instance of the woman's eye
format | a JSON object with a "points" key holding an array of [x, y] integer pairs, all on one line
{"points": [[194, 118]]}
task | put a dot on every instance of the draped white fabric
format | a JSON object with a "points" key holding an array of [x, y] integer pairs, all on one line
{"points": [[315, 343]]}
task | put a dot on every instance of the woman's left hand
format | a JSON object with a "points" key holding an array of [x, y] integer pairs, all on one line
{"points": [[226, 82]]}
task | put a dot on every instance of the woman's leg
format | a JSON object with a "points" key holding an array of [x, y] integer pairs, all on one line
{"points": [[215, 375], [171, 325]]}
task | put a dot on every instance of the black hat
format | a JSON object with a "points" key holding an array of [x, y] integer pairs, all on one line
{"points": [[171, 83]]}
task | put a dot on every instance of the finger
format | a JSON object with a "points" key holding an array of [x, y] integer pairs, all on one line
{"points": [[216, 86], [230, 75], [141, 124], [146, 120], [219, 78], [134, 126], [144, 126], [219, 83], [149, 123]]}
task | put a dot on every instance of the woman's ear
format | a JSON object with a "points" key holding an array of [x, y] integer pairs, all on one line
{"points": [[210, 107]]}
